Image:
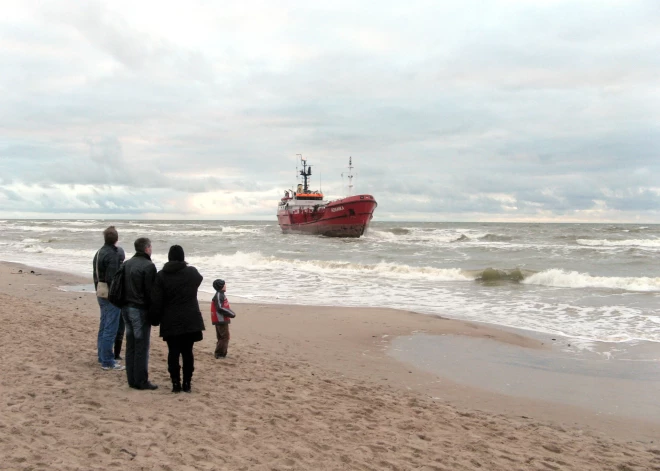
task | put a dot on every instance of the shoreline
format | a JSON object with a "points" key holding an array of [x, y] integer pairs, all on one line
{"points": [[640, 349], [597, 344], [315, 374]]}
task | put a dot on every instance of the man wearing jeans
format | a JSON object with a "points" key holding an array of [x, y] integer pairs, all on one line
{"points": [[139, 275], [105, 264]]}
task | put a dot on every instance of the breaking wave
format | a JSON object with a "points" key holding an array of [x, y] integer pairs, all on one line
{"points": [[492, 274], [653, 243], [74, 253], [257, 261], [495, 238], [572, 279], [53, 229], [398, 231]]}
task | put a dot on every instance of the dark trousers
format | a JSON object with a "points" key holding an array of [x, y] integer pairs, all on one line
{"points": [[138, 337], [119, 339], [180, 346], [222, 333]]}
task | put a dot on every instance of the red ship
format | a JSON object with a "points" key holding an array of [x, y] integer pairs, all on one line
{"points": [[306, 211]]}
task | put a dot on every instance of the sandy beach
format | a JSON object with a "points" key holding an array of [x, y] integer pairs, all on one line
{"points": [[303, 388]]}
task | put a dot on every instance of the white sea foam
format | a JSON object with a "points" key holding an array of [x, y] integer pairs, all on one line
{"points": [[256, 261], [384, 235], [427, 236], [53, 229], [79, 222], [572, 279], [652, 243], [153, 232], [242, 230], [75, 253]]}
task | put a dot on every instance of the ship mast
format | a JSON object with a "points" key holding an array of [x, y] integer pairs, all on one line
{"points": [[350, 176], [306, 172]]}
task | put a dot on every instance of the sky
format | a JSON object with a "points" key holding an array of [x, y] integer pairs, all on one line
{"points": [[478, 110]]}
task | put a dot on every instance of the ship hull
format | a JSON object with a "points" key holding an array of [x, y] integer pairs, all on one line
{"points": [[347, 217]]}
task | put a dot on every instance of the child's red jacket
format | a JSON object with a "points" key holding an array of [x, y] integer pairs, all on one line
{"points": [[221, 304]]}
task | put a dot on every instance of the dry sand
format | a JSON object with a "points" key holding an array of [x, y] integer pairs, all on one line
{"points": [[303, 388]]}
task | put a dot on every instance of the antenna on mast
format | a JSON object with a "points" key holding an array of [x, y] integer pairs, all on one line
{"points": [[350, 176], [298, 173], [306, 172]]}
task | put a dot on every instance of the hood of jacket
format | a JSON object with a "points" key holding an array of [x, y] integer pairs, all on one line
{"points": [[174, 266]]}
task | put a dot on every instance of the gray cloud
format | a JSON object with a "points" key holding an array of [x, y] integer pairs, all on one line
{"points": [[510, 109]]}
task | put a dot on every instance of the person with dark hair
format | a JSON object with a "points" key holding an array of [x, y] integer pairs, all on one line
{"points": [[139, 275], [105, 264], [119, 338], [175, 307]]}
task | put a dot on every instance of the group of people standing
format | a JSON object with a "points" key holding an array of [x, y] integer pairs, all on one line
{"points": [[165, 298]]}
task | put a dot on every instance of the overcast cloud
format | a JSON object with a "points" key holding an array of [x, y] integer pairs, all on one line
{"points": [[506, 110]]}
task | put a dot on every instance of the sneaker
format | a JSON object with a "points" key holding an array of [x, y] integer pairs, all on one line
{"points": [[116, 367]]}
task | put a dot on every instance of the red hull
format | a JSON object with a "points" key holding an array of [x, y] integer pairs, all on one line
{"points": [[347, 217]]}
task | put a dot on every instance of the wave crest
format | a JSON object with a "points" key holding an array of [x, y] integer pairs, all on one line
{"points": [[495, 238], [257, 261], [571, 279], [652, 243]]}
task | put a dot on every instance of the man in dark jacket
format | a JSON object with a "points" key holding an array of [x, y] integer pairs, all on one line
{"points": [[139, 275], [105, 264]]}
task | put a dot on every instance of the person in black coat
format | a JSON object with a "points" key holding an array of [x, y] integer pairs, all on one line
{"points": [[175, 307]]}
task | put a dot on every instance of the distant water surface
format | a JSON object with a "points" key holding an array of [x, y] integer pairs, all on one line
{"points": [[590, 282]]}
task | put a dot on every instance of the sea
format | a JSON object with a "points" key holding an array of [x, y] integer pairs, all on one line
{"points": [[587, 282]]}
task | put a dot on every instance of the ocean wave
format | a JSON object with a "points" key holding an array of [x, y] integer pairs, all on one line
{"points": [[53, 229], [242, 230], [141, 230], [415, 236], [398, 231], [492, 274], [257, 261], [495, 238], [382, 235], [177, 233], [86, 222], [572, 279], [652, 243], [199, 232], [76, 253]]}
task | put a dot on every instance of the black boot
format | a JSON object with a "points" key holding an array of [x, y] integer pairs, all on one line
{"points": [[186, 386], [176, 387]]}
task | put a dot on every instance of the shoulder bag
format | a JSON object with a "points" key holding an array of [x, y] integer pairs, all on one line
{"points": [[101, 286]]}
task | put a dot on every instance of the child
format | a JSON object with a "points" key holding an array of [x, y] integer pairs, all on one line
{"points": [[221, 315]]}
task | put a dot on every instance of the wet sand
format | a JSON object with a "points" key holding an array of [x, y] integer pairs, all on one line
{"points": [[303, 388], [618, 381]]}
